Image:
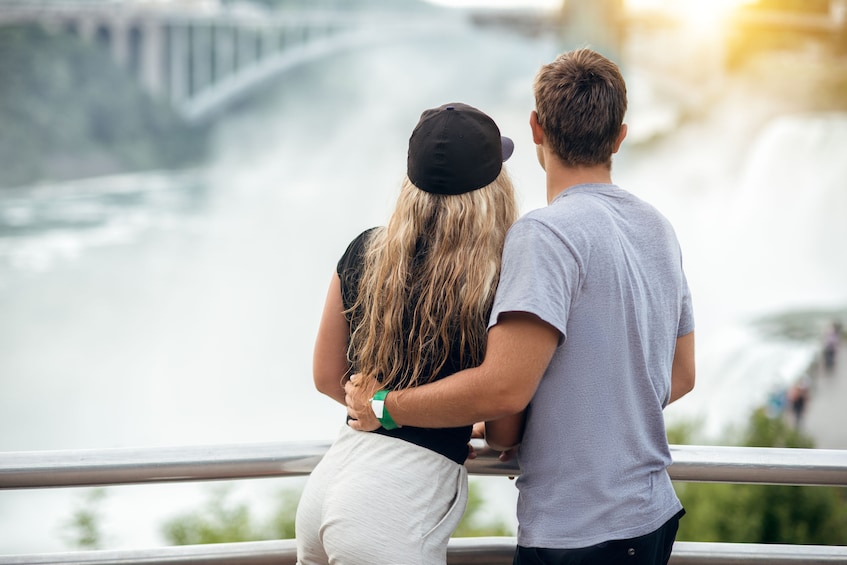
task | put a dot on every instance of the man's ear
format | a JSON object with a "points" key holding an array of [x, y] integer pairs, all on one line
{"points": [[621, 137], [537, 132]]}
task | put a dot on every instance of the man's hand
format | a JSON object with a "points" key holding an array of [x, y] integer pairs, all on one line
{"points": [[508, 455], [358, 392]]}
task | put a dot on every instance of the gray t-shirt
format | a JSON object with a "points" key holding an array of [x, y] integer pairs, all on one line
{"points": [[605, 269]]}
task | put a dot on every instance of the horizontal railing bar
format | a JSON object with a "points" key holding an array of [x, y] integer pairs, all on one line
{"points": [[460, 551], [98, 467], [718, 553], [117, 466], [759, 465], [277, 552]]}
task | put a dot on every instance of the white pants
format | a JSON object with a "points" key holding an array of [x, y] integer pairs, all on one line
{"points": [[377, 500]]}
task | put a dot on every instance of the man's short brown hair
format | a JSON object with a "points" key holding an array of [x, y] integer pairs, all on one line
{"points": [[581, 101]]}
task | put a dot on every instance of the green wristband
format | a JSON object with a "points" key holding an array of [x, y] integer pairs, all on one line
{"points": [[381, 412]]}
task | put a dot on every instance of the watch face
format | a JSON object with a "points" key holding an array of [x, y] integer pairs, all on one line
{"points": [[378, 406]]}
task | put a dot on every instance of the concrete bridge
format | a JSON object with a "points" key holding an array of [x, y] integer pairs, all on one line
{"points": [[201, 56]]}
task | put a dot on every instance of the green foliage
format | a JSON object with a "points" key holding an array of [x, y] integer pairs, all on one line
{"points": [[683, 433], [282, 521], [765, 431], [764, 513], [475, 522], [68, 111], [83, 530], [224, 520]]}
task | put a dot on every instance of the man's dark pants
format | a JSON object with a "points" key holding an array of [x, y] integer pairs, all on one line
{"points": [[650, 549]]}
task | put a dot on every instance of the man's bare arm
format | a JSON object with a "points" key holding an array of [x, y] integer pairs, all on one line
{"points": [[519, 349], [682, 372]]}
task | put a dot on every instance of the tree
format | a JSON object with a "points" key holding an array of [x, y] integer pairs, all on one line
{"points": [[475, 522], [223, 520], [83, 530]]}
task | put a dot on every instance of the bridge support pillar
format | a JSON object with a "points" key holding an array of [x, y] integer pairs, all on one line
{"points": [[86, 29], [267, 42], [223, 45], [119, 38], [178, 64], [152, 57], [246, 49], [200, 54]]}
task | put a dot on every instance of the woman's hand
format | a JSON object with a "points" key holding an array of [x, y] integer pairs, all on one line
{"points": [[358, 393]]}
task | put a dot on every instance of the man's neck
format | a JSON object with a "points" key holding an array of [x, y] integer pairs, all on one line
{"points": [[560, 178]]}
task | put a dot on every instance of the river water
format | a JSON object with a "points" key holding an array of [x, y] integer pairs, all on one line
{"points": [[179, 308]]}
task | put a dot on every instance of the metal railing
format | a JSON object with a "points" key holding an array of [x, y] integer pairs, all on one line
{"points": [[25, 470]]}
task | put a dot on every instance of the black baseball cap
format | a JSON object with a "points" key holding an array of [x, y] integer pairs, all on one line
{"points": [[455, 149]]}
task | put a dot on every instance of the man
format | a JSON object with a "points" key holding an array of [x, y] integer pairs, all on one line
{"points": [[591, 333]]}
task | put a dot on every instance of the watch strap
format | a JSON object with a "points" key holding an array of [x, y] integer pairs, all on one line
{"points": [[381, 412]]}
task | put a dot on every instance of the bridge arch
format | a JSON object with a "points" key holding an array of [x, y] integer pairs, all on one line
{"points": [[201, 60]]}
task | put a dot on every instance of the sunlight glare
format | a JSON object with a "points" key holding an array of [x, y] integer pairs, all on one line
{"points": [[543, 4], [706, 15], [701, 16]]}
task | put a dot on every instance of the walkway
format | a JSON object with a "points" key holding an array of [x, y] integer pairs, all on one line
{"points": [[826, 414]]}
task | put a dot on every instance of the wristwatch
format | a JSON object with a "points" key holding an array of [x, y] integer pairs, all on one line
{"points": [[381, 413]]}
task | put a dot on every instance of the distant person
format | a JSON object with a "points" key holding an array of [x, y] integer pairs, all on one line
{"points": [[798, 399], [409, 302], [592, 334], [777, 399], [830, 347]]}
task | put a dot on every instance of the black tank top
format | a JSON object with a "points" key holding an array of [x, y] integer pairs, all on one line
{"points": [[449, 442]]}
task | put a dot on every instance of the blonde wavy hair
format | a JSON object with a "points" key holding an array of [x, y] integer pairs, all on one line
{"points": [[428, 281]]}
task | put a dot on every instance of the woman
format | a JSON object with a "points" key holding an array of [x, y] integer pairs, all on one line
{"points": [[410, 303]]}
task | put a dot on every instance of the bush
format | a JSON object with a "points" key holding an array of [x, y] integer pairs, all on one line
{"points": [[764, 513]]}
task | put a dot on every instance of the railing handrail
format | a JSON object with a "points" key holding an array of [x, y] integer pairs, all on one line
{"points": [[118, 466], [460, 551]]}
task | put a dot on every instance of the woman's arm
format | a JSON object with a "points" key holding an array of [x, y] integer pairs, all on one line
{"points": [[329, 362], [506, 433]]}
